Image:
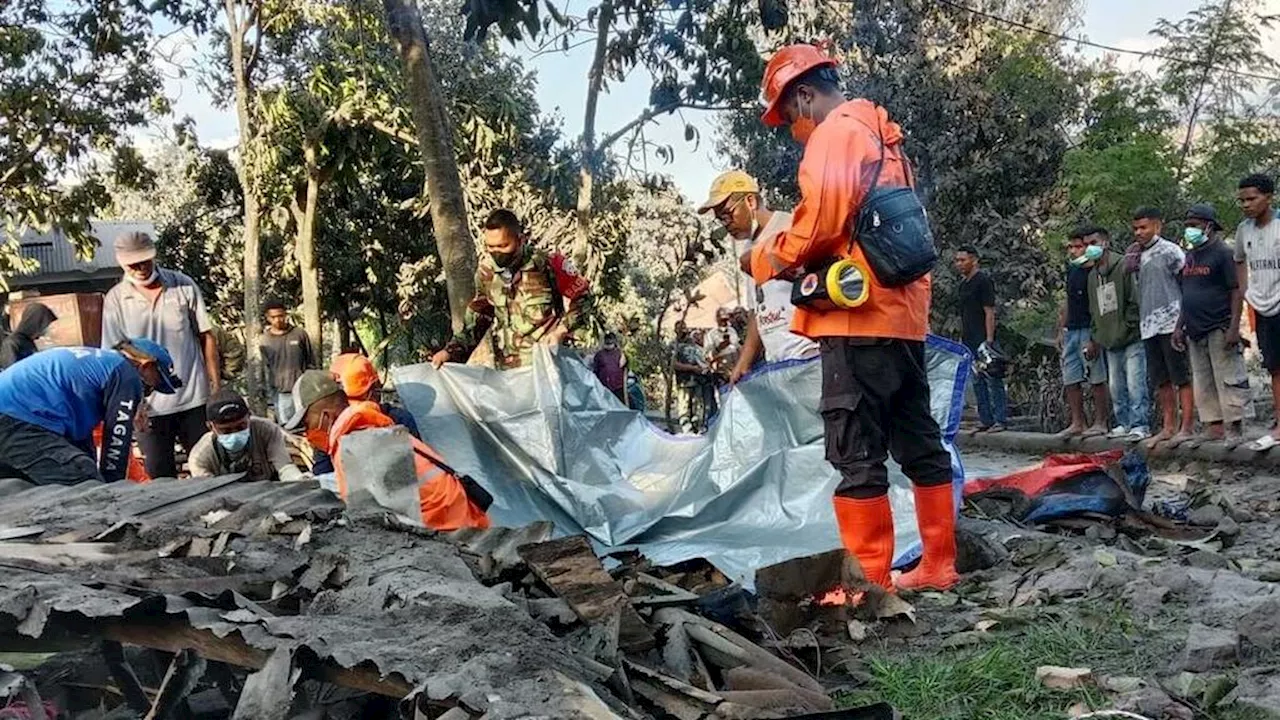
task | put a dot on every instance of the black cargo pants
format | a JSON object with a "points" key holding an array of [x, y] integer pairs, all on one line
{"points": [[42, 456], [875, 403]]}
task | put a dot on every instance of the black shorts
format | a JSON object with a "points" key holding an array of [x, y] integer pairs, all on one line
{"points": [[875, 403], [1165, 365], [1268, 331]]}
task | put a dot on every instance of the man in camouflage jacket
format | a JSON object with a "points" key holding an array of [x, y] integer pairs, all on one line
{"points": [[524, 297]]}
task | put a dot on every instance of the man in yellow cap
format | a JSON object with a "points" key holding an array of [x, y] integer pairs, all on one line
{"points": [[738, 205], [875, 391]]}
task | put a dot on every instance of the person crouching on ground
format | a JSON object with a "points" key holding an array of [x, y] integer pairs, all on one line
{"points": [[237, 442], [51, 402], [875, 391], [360, 381], [326, 416]]}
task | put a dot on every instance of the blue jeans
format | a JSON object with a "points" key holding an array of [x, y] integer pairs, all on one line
{"points": [[1130, 398], [992, 401]]}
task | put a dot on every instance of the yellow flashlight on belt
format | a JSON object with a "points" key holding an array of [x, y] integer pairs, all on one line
{"points": [[838, 284]]}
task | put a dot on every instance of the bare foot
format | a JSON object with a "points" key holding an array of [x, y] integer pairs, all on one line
{"points": [[1155, 440], [1096, 431], [1184, 436], [1071, 431]]}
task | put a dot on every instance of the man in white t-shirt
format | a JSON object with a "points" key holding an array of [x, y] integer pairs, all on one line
{"points": [[1258, 268], [736, 201]]}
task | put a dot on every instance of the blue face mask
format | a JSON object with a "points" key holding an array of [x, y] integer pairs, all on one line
{"points": [[1194, 236], [234, 442]]}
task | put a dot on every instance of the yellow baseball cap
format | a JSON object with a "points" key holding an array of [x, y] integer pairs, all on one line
{"points": [[734, 181]]}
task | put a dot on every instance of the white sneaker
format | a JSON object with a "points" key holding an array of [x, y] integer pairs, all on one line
{"points": [[1118, 432], [1138, 434]]}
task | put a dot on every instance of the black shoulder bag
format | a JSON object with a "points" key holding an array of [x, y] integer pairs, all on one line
{"points": [[893, 230]]}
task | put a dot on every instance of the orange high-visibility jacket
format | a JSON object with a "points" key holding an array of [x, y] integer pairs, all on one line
{"points": [[444, 502], [137, 472], [839, 161]]}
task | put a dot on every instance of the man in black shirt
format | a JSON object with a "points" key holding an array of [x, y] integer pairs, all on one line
{"points": [[1209, 327], [286, 351], [978, 329], [1073, 337]]}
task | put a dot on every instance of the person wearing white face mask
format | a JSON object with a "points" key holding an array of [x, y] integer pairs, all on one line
{"points": [[1209, 328], [240, 443], [1074, 335], [166, 307]]}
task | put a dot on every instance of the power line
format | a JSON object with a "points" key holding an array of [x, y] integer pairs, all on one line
{"points": [[1081, 41]]}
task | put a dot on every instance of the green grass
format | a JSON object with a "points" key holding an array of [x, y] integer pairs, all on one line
{"points": [[996, 681]]}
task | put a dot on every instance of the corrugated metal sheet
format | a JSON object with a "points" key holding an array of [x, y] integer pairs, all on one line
{"points": [[56, 254], [404, 603], [64, 508]]}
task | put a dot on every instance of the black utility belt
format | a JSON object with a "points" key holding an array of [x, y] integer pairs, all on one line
{"points": [[835, 284]]}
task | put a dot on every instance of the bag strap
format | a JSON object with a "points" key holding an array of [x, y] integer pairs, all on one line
{"points": [[440, 463]]}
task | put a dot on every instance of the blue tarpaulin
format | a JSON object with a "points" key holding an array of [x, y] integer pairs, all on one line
{"points": [[550, 443]]}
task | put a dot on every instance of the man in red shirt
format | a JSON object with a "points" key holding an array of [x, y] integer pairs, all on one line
{"points": [[875, 391]]}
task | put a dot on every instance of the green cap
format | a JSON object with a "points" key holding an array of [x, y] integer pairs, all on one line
{"points": [[312, 387]]}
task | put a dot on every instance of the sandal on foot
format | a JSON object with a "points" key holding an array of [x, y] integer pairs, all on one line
{"points": [[1263, 444]]}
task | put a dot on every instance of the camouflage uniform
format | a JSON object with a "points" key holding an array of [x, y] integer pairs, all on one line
{"points": [[514, 309]]}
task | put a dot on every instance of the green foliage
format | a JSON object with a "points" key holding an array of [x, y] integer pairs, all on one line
{"points": [[76, 76], [1231, 149], [996, 680], [985, 125], [1219, 35]]}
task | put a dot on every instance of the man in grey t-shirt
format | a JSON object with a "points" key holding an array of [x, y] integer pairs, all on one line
{"points": [[166, 307], [1257, 256], [286, 350], [1159, 267]]}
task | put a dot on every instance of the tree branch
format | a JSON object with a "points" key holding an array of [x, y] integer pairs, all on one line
{"points": [[254, 20], [650, 113], [395, 132]]}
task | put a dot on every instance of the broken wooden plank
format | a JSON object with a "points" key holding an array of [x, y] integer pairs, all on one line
{"points": [[570, 568], [15, 533], [678, 699], [667, 594], [180, 679], [174, 637], [61, 555], [268, 693], [734, 649], [120, 670]]}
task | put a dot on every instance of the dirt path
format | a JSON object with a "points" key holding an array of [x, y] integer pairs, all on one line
{"points": [[1180, 624]]}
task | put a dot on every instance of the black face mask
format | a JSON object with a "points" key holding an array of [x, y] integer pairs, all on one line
{"points": [[505, 260]]}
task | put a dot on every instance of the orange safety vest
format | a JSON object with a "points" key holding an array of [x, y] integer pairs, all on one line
{"points": [[443, 500]]}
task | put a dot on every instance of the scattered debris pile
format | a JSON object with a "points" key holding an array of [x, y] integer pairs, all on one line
{"points": [[207, 599], [664, 639]]}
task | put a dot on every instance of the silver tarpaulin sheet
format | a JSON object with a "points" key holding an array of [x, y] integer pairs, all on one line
{"points": [[550, 443]]}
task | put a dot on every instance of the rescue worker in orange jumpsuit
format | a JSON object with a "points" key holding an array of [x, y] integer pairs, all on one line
{"points": [[323, 412], [875, 391]]}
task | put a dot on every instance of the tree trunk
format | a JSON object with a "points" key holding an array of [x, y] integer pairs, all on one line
{"points": [[435, 141], [305, 252], [587, 148], [237, 29]]}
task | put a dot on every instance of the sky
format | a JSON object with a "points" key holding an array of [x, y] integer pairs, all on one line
{"points": [[561, 89]]}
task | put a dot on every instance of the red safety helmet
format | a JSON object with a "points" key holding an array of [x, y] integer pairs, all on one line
{"points": [[784, 67]]}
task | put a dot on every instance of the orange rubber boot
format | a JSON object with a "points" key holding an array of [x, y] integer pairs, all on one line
{"points": [[935, 513], [866, 529]]}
